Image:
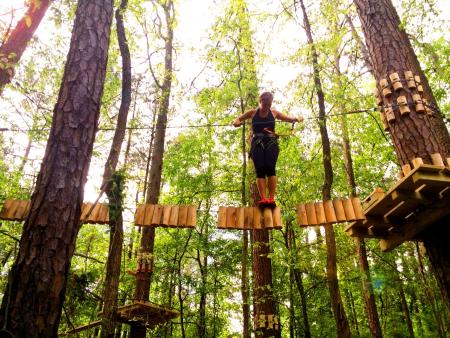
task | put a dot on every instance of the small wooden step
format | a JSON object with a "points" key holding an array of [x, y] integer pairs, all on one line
{"points": [[249, 218]]}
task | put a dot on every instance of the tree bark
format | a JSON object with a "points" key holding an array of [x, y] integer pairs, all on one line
{"points": [[343, 327], [33, 300], [148, 234], [11, 51], [414, 134], [114, 187]]}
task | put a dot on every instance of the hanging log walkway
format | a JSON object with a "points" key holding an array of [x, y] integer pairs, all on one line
{"points": [[17, 210], [329, 212], [249, 218], [416, 201], [172, 216]]}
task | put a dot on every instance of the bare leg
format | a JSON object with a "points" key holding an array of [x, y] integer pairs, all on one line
{"points": [[272, 186], [261, 183]]}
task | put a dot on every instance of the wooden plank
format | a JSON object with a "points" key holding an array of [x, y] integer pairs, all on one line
{"points": [[437, 159], [339, 210], [240, 217], [311, 213], [84, 210], [320, 213], [348, 210], [222, 221], [418, 161], [330, 215], [148, 214], [191, 221], [257, 218], [433, 179], [166, 215], [248, 218], [302, 218], [173, 220], [231, 217], [22, 210], [406, 169], [268, 220], [104, 214], [157, 215], [376, 195], [277, 224], [364, 232], [359, 214], [182, 215]]}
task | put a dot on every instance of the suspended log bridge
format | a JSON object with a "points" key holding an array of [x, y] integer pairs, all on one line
{"points": [[329, 212], [249, 218], [17, 210], [416, 201], [171, 216]]}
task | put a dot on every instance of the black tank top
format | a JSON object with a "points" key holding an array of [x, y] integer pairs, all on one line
{"points": [[259, 123]]}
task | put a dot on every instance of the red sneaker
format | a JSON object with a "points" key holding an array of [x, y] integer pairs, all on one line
{"points": [[263, 201], [271, 202]]}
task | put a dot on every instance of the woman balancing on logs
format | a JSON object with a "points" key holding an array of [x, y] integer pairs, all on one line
{"points": [[264, 149]]}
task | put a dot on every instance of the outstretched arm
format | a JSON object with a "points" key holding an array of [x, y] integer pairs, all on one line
{"points": [[241, 118], [283, 117]]}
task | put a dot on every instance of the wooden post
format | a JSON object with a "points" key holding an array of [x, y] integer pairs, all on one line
{"points": [[222, 217]]}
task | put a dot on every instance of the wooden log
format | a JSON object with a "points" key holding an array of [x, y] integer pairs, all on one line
{"points": [[339, 210], [231, 217], [420, 89], [257, 218], [437, 159], [378, 97], [148, 215], [448, 161], [157, 215], [420, 108], [348, 210], [182, 215], [166, 215], [377, 194], [22, 210], [240, 218], [390, 116], [311, 213], [320, 213], [330, 215], [84, 210], [428, 109], [191, 220], [248, 218], [409, 76], [94, 214], [173, 220], [417, 79], [403, 105], [406, 169], [104, 218], [395, 79], [359, 214], [417, 162], [268, 220], [276, 215], [302, 218], [222, 221], [384, 84], [384, 121]]}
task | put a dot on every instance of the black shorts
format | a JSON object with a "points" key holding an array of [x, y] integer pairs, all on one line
{"points": [[264, 153]]}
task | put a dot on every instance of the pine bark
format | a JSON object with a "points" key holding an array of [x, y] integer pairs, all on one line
{"points": [[148, 234], [415, 134], [34, 296], [11, 51], [343, 327], [114, 187]]}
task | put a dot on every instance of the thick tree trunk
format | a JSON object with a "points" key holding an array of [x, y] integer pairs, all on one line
{"points": [[343, 327], [11, 51], [148, 234], [33, 300], [114, 187], [414, 134]]}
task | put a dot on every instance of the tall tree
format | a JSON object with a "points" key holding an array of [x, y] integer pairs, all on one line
{"points": [[154, 184], [11, 51], [343, 327], [32, 303], [394, 54], [113, 185]]}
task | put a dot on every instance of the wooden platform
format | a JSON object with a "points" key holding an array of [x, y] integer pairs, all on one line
{"points": [[145, 313], [249, 218], [172, 216], [329, 212], [416, 201], [17, 210]]}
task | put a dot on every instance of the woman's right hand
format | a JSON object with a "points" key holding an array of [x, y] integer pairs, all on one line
{"points": [[237, 122]]}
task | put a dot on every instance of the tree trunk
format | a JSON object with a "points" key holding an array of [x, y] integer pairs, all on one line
{"points": [[11, 51], [343, 327], [148, 234], [33, 300], [414, 134], [114, 187]]}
